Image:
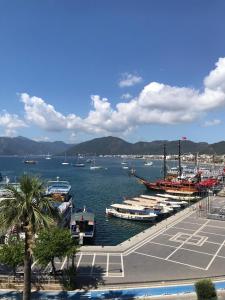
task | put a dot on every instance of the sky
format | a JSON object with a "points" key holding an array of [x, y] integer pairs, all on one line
{"points": [[140, 70]]}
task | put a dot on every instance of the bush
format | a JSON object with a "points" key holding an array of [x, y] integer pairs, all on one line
{"points": [[205, 290]]}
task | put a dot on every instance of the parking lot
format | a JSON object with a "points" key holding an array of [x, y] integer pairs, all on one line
{"points": [[188, 247]]}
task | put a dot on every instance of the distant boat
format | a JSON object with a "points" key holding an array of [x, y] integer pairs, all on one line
{"points": [[79, 163], [124, 162], [94, 166], [48, 157], [148, 163], [30, 162], [65, 161]]}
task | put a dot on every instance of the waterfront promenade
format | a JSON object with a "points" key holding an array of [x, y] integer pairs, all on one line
{"points": [[185, 246]]}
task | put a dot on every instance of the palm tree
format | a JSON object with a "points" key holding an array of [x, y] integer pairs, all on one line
{"points": [[29, 210]]}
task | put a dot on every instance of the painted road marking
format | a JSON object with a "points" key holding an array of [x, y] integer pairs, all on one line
{"points": [[215, 255], [181, 245]]}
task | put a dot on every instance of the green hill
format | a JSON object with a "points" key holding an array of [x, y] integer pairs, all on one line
{"points": [[113, 145]]}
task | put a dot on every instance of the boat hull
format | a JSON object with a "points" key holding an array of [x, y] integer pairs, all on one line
{"points": [[146, 218]]}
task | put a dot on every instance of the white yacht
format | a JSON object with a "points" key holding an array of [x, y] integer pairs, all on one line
{"points": [[128, 212]]}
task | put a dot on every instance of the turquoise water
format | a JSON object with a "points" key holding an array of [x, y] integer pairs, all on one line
{"points": [[96, 189]]}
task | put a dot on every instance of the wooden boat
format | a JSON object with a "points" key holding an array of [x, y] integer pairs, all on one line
{"points": [[128, 212]]}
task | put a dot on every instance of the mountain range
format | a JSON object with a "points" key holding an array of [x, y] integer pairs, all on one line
{"points": [[23, 146], [102, 146], [114, 145]]}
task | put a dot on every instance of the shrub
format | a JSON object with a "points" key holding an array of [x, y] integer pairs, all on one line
{"points": [[205, 290]]}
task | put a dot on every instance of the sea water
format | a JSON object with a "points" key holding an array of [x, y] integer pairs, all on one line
{"points": [[95, 189]]}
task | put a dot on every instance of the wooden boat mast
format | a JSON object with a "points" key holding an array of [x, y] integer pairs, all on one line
{"points": [[179, 159], [164, 162]]}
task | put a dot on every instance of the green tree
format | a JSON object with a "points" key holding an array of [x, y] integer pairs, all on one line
{"points": [[12, 254], [205, 290], [29, 210], [52, 243]]}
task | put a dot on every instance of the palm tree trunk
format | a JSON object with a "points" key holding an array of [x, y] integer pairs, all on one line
{"points": [[27, 268]]}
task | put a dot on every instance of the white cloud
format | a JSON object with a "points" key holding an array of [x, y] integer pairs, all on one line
{"points": [[157, 103], [10, 123], [212, 123], [41, 139], [126, 96], [128, 79]]}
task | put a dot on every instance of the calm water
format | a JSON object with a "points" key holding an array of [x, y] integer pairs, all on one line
{"points": [[96, 189]]}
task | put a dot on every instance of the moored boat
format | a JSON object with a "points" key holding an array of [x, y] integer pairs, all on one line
{"points": [[179, 197], [136, 213], [82, 224], [60, 195]]}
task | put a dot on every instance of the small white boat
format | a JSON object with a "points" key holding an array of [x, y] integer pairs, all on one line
{"points": [[48, 157], [94, 166], [125, 167], [148, 163], [65, 161], [135, 213]]}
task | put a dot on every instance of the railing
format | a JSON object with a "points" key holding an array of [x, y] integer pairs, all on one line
{"points": [[35, 279]]}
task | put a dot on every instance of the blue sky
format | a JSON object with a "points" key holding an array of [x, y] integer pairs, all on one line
{"points": [[140, 70]]}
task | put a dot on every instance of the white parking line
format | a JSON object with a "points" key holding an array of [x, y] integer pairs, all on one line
{"points": [[107, 266], [79, 260], [181, 245], [34, 263], [46, 268], [93, 263], [215, 255], [170, 260], [213, 233], [164, 229], [122, 266], [161, 244], [183, 228], [64, 262]]}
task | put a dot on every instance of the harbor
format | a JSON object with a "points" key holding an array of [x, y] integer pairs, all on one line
{"points": [[181, 236]]}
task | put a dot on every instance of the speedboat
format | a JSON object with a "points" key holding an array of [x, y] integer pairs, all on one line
{"points": [[82, 224], [128, 212]]}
